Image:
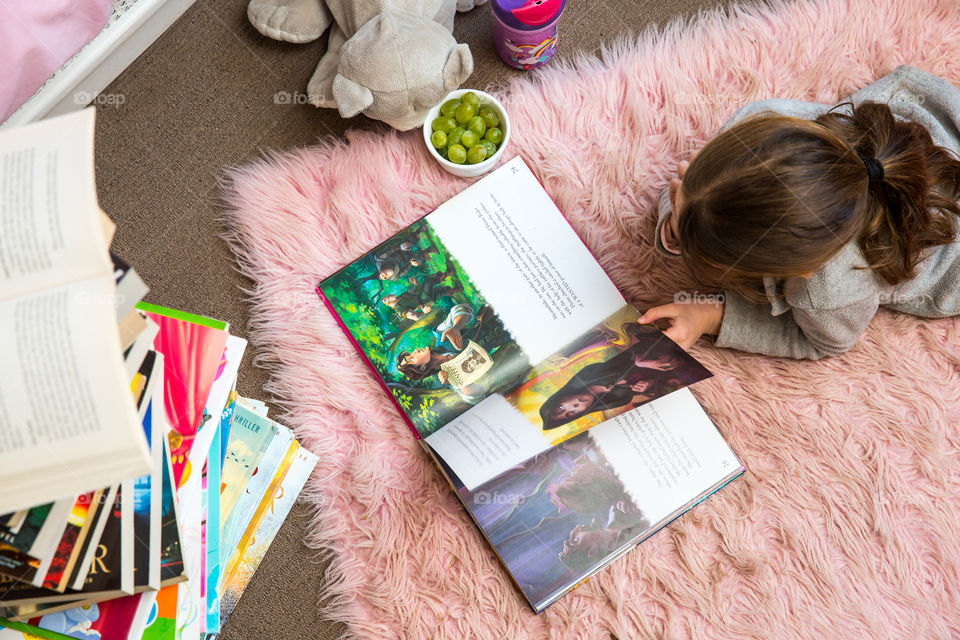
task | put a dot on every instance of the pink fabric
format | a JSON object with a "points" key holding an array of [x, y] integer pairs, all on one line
{"points": [[846, 524], [37, 37]]}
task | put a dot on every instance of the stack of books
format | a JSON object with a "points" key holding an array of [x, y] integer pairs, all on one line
{"points": [[140, 492]]}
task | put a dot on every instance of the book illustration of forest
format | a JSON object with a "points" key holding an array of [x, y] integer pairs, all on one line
{"points": [[555, 517], [439, 347], [616, 366]]}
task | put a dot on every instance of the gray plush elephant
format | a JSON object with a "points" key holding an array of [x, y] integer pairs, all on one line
{"points": [[391, 60]]}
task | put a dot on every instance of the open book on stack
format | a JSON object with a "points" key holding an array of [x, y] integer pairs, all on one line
{"points": [[196, 480], [565, 427]]}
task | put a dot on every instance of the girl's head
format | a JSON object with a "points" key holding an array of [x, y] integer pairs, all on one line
{"points": [[779, 196]]}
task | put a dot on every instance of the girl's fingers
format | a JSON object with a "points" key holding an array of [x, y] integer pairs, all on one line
{"points": [[682, 168], [658, 313], [680, 336]]}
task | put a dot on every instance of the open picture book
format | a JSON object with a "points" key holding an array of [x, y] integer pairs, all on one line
{"points": [[565, 426]]}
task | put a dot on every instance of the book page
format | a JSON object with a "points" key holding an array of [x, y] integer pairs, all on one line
{"points": [[51, 230], [520, 252], [614, 367], [68, 418], [563, 515]]}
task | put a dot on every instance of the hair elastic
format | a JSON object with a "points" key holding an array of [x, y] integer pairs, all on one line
{"points": [[874, 170]]}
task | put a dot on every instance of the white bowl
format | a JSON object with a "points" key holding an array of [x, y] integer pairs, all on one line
{"points": [[469, 170]]}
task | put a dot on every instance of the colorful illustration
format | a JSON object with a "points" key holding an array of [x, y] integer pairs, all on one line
{"points": [[411, 309], [108, 620], [77, 522], [256, 546], [617, 366], [162, 620], [192, 356], [249, 438], [556, 517], [528, 56]]}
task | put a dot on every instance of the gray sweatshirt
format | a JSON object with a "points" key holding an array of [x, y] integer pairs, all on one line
{"points": [[827, 313]]}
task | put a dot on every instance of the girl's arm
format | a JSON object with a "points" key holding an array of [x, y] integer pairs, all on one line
{"points": [[798, 333]]}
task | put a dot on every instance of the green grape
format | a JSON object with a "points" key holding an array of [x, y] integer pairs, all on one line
{"points": [[491, 148], [490, 117], [454, 136], [471, 98], [449, 107], [477, 154], [469, 138], [477, 125], [438, 139], [464, 112], [443, 123], [494, 135], [456, 154]]}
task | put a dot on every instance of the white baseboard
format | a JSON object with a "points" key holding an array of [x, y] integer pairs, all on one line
{"points": [[133, 27]]}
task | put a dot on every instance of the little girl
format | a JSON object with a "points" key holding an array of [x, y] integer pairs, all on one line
{"points": [[811, 218]]}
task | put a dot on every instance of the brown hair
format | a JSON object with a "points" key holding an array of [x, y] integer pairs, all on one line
{"points": [[779, 196], [413, 371]]}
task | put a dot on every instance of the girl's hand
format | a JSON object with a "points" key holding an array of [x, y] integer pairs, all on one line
{"points": [[443, 377], [688, 321]]}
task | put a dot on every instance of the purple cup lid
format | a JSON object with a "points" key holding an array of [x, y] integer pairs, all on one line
{"points": [[527, 15]]}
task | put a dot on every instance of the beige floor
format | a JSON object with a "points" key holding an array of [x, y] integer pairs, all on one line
{"points": [[203, 98]]}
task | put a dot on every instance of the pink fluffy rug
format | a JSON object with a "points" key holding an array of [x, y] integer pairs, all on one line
{"points": [[846, 524]]}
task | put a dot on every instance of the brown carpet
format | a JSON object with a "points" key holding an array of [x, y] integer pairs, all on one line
{"points": [[203, 97]]}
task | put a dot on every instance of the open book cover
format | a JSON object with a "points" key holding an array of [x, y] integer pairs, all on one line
{"points": [[512, 354]]}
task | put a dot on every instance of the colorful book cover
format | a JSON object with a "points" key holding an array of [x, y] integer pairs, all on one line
{"points": [[230, 565], [171, 553], [211, 563], [16, 565], [267, 467], [77, 523], [145, 608], [192, 357], [226, 380], [147, 489], [10, 630], [108, 620], [226, 421], [103, 578], [488, 294], [81, 567], [49, 534], [257, 545], [22, 537], [162, 619], [250, 434]]}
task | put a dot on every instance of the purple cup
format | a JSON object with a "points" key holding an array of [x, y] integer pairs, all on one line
{"points": [[525, 31]]}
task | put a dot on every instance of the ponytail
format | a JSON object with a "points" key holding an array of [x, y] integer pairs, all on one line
{"points": [[912, 200], [779, 196]]}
